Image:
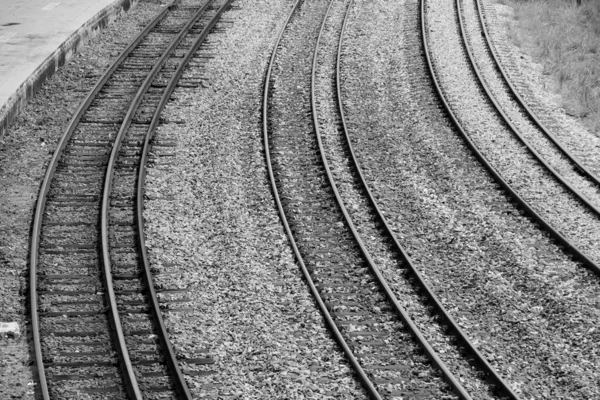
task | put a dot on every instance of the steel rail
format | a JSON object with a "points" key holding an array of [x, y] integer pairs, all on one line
{"points": [[182, 387], [592, 265], [43, 196], [367, 384], [437, 304], [391, 297], [524, 105], [578, 253], [509, 123], [129, 373]]}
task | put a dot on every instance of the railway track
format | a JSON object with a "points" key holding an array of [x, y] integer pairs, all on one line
{"points": [[442, 207], [96, 318], [367, 317], [558, 160], [88, 232], [553, 187], [579, 161]]}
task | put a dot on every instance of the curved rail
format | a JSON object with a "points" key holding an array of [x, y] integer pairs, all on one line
{"points": [[111, 298], [45, 187], [431, 354], [367, 384], [514, 195], [524, 105], [453, 326], [509, 123], [183, 390]]}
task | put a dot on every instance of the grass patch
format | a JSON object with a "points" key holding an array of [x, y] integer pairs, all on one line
{"points": [[565, 39]]}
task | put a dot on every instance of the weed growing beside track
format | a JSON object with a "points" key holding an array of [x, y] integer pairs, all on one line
{"points": [[565, 39]]}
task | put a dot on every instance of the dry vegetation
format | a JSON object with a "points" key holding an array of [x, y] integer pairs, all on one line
{"points": [[565, 39]]}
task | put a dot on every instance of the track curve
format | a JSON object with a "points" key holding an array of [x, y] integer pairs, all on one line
{"points": [[290, 163], [579, 164], [180, 26], [555, 232]]}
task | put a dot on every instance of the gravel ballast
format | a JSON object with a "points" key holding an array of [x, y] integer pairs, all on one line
{"points": [[212, 220], [386, 257], [524, 303], [213, 230], [486, 129]]}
